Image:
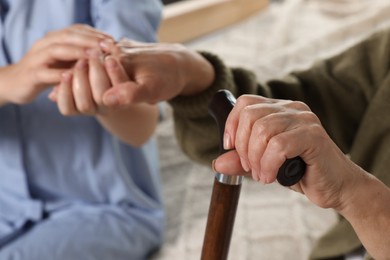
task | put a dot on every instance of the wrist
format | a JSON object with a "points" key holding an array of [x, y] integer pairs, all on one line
{"points": [[6, 78], [358, 194], [196, 104], [201, 75]]}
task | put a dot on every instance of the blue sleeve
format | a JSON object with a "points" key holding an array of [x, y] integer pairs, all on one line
{"points": [[135, 19]]}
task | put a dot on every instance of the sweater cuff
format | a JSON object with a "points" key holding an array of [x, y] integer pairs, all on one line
{"points": [[197, 105]]}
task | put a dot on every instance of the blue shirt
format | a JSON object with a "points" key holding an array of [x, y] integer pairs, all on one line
{"points": [[50, 163]]}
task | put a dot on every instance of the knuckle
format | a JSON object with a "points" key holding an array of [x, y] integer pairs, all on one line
{"points": [[261, 130], [299, 105], [245, 114], [242, 101], [309, 116], [277, 143], [316, 130]]}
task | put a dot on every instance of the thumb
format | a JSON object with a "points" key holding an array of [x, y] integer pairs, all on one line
{"points": [[115, 71], [121, 95], [229, 163]]}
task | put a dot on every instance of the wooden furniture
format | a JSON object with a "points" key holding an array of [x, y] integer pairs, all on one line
{"points": [[186, 20]]}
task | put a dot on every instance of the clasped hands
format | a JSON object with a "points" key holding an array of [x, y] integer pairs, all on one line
{"points": [[94, 75]]}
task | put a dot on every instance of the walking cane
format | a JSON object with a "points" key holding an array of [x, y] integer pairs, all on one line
{"points": [[226, 189]]}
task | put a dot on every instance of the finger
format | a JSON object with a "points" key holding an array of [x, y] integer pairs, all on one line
{"points": [[241, 119], [89, 29], [128, 43], [115, 70], [61, 52], [83, 37], [49, 77], [53, 94], [109, 46], [234, 116], [65, 101], [98, 77], [229, 163], [82, 89], [281, 147], [248, 115], [262, 131]]}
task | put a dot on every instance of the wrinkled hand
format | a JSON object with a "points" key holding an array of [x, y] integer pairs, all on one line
{"points": [[157, 72], [265, 132], [47, 60]]}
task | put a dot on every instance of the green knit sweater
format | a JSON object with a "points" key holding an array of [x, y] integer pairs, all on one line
{"points": [[350, 93]]}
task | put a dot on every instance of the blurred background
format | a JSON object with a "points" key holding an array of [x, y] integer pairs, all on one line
{"points": [[272, 38]]}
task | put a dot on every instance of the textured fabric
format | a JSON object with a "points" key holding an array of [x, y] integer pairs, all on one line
{"points": [[66, 183], [350, 94]]}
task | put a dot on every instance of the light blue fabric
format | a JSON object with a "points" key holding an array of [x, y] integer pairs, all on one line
{"points": [[68, 189]]}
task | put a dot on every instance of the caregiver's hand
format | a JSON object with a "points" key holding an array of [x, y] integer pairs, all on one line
{"points": [[81, 92], [45, 62]]}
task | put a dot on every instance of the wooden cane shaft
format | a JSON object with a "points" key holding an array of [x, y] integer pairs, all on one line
{"points": [[220, 221]]}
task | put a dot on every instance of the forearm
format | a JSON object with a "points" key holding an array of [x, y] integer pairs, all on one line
{"points": [[5, 83], [133, 125], [368, 211]]}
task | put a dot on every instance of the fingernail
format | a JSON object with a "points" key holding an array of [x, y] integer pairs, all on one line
{"points": [[66, 76], [245, 164], [255, 176], [227, 144], [261, 180], [264, 178], [213, 165], [51, 96]]}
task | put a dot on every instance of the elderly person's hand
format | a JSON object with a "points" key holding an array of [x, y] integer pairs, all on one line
{"points": [[265, 132], [157, 72]]}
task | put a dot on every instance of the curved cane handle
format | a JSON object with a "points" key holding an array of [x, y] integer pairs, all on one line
{"points": [[222, 103]]}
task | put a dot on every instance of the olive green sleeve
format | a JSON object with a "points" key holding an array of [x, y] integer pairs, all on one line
{"points": [[195, 129], [349, 92], [339, 90]]}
